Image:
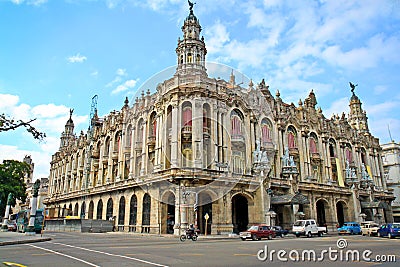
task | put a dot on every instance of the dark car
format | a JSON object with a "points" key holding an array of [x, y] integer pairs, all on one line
{"points": [[279, 231], [390, 230], [256, 232]]}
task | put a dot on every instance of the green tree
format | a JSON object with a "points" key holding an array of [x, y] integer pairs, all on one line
{"points": [[7, 124], [12, 180]]}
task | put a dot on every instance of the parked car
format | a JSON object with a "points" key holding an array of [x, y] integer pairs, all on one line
{"points": [[352, 228], [369, 228], [256, 232], [279, 231], [308, 228], [11, 226], [390, 230]]}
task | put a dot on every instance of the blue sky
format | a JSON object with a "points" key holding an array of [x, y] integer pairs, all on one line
{"points": [[57, 54]]}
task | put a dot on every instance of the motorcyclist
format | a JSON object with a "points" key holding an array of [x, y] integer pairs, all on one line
{"points": [[191, 230]]}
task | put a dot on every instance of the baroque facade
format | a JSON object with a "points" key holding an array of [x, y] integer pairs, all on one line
{"points": [[222, 156]]}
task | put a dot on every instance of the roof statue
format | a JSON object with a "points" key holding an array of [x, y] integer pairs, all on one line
{"points": [[191, 4], [353, 86], [36, 187]]}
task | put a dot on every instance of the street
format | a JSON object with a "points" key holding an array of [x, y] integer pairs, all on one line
{"points": [[116, 249]]}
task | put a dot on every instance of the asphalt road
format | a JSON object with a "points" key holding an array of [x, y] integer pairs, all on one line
{"points": [[115, 249]]}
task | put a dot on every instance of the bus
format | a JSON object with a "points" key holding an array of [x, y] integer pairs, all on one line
{"points": [[23, 220]]}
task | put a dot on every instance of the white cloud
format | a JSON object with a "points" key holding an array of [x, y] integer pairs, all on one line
{"points": [[94, 73], [41, 159], [124, 87], [77, 58], [121, 72], [29, 2]]}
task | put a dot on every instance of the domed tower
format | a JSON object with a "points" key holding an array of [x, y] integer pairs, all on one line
{"points": [[68, 132], [191, 51], [358, 117]]}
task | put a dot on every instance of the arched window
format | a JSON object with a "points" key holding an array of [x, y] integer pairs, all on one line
{"points": [[313, 146], [76, 209], [129, 136], [187, 116], [107, 147], [99, 215], [291, 140], [91, 208], [133, 211], [83, 210], [266, 135], [349, 155], [109, 212], [236, 123], [121, 211], [190, 58], [146, 213], [153, 125]]}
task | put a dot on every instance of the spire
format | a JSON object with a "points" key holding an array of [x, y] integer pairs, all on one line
{"points": [[68, 130], [357, 117], [191, 51]]}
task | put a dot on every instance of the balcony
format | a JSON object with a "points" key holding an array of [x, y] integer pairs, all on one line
{"points": [[315, 156], [237, 138], [186, 132], [206, 132], [151, 140], [293, 151]]}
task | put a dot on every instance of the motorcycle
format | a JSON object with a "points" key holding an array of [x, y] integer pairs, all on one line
{"points": [[189, 235]]}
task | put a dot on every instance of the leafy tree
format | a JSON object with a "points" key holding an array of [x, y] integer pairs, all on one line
{"points": [[7, 124], [12, 180]]}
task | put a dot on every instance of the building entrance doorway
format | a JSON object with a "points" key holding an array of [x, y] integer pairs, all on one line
{"points": [[321, 219], [240, 213], [340, 213]]}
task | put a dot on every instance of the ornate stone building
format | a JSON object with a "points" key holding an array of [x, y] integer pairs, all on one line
{"points": [[204, 146], [391, 168]]}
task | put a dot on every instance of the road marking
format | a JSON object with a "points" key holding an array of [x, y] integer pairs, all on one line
{"points": [[13, 264], [110, 254], [65, 255]]}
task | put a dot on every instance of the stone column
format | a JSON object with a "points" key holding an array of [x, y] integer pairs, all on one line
{"points": [[197, 133], [31, 227], [4, 227], [174, 136], [144, 149]]}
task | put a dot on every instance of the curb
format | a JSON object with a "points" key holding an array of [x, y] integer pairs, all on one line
{"points": [[18, 242]]}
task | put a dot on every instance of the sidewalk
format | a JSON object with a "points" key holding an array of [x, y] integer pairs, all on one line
{"points": [[14, 238]]}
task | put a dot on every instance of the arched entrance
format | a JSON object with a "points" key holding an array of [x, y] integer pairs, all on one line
{"points": [[99, 214], [321, 206], [121, 214], [76, 209], [70, 212], [205, 207], [83, 210], [168, 213], [146, 213], [240, 213], [91, 208], [341, 212], [133, 214], [109, 211]]}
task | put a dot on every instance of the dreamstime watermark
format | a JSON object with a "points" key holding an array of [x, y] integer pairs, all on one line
{"points": [[340, 253]]}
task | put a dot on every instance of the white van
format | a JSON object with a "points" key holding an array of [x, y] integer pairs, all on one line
{"points": [[307, 228]]}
